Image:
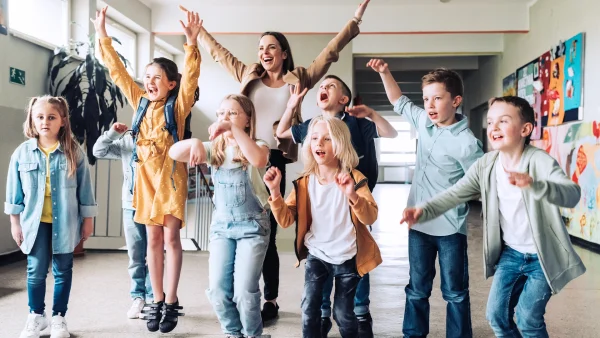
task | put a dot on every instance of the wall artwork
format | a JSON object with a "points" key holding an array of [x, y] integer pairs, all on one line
{"points": [[509, 85], [3, 15], [576, 147]]}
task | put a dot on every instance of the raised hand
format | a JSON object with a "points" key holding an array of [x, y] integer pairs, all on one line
{"points": [[521, 180], [119, 127], [17, 233], [378, 65], [218, 128], [272, 180], [346, 184], [192, 28], [100, 22], [411, 216], [360, 111], [296, 96], [361, 9]]}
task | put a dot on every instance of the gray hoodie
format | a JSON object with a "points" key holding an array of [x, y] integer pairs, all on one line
{"points": [[550, 190], [110, 145]]}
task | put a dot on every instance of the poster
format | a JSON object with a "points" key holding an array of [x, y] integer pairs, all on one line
{"points": [[509, 85], [3, 14], [556, 93], [573, 77]]}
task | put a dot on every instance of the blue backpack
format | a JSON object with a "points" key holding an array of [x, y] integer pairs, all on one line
{"points": [[170, 126]]}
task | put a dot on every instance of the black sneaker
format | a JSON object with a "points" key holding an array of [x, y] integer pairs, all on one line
{"points": [[269, 311], [326, 325], [365, 326], [153, 314], [170, 317]]}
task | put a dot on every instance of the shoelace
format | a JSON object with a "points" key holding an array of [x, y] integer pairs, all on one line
{"points": [[32, 325], [59, 326]]}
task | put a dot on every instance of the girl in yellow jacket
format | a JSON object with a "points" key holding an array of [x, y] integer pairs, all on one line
{"points": [[338, 241]]}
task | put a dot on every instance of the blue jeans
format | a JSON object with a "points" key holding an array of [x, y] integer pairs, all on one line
{"points": [[346, 279], [137, 244], [361, 299], [38, 262], [518, 282], [454, 273]]}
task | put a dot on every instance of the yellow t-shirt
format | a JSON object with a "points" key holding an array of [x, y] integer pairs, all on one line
{"points": [[47, 210]]}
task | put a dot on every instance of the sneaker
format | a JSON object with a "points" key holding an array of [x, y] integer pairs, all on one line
{"points": [[365, 326], [35, 324], [269, 311], [170, 317], [326, 325], [59, 327], [136, 308], [153, 314]]}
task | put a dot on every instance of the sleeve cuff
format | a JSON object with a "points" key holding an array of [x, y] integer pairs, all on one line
{"points": [[400, 104], [88, 210], [277, 203], [13, 209], [112, 134]]}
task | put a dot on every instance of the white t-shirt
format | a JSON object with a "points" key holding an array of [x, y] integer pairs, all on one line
{"points": [[516, 231], [332, 237], [255, 175], [270, 104]]}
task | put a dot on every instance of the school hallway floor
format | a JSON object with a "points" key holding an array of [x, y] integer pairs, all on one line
{"points": [[99, 298]]}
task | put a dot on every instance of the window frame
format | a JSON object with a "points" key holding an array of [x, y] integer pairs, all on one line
{"points": [[66, 11], [412, 135]]}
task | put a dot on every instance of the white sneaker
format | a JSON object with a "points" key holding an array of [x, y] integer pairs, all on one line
{"points": [[136, 309], [35, 325], [59, 327]]}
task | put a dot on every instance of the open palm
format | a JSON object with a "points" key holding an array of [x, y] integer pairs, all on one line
{"points": [[193, 26]]}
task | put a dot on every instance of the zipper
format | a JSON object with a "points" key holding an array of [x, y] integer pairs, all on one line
{"points": [[295, 183]]}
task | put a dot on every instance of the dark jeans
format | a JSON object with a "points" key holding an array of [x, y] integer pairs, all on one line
{"points": [[454, 274], [346, 279], [270, 270], [38, 262]]}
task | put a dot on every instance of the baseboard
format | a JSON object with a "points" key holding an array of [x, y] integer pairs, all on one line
{"points": [[12, 257], [585, 244]]}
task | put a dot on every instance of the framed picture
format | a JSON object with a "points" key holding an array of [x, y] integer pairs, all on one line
{"points": [[3, 15]]}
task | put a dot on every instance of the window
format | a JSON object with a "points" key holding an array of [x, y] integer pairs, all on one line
{"points": [[400, 150], [44, 21], [128, 45]]}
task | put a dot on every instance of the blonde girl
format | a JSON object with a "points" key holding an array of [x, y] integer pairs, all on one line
{"points": [[48, 194]]}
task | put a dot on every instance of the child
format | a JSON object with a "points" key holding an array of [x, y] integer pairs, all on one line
{"points": [[333, 98], [526, 245], [337, 242], [240, 222], [114, 144], [48, 193], [160, 188], [446, 150]]}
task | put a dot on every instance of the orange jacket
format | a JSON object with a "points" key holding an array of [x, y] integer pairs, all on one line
{"points": [[296, 208]]}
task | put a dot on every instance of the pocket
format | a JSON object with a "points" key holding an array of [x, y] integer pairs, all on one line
{"points": [[28, 172], [234, 194], [65, 180]]}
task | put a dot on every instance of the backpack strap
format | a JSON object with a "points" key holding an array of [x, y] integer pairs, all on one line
{"points": [[171, 127], [135, 129]]}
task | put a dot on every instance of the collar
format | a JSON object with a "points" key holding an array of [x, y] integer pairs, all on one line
{"points": [[461, 124], [32, 144]]}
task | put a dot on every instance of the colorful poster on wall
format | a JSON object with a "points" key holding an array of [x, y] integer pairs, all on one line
{"points": [[3, 14], [576, 147], [530, 88], [556, 93], [542, 84], [509, 85], [573, 72]]}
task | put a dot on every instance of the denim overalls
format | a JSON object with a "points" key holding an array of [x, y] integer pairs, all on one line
{"points": [[239, 237]]}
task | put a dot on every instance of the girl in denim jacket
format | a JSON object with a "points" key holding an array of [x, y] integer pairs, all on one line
{"points": [[50, 200], [240, 229]]}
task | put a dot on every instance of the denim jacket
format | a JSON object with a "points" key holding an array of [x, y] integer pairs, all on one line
{"points": [[72, 197], [113, 146]]}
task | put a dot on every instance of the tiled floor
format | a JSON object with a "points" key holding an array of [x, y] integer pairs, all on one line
{"points": [[99, 299]]}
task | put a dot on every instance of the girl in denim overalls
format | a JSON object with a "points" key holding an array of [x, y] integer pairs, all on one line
{"points": [[50, 200], [240, 223]]}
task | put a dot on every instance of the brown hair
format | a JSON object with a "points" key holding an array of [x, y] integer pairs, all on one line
{"points": [[345, 89], [70, 147], [449, 78], [525, 110], [172, 73], [219, 144]]}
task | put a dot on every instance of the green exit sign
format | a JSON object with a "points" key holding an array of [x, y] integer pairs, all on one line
{"points": [[17, 76]]}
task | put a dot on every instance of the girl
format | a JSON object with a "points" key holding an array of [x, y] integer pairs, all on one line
{"points": [[338, 241], [48, 193], [240, 222], [266, 83], [160, 187]]}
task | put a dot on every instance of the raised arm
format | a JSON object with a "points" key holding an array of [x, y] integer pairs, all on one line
{"points": [[108, 145], [256, 154], [389, 83], [116, 68], [284, 212], [191, 71], [191, 150], [285, 123], [383, 127]]}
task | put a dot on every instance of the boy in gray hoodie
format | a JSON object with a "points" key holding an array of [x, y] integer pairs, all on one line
{"points": [[115, 144], [526, 245]]}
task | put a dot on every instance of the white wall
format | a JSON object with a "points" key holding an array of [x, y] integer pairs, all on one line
{"points": [[215, 83], [551, 21]]}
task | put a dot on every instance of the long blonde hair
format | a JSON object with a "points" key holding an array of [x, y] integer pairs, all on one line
{"points": [[340, 140], [220, 143], [70, 147]]}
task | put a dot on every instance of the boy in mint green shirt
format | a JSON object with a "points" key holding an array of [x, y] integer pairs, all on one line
{"points": [[526, 245], [446, 150]]}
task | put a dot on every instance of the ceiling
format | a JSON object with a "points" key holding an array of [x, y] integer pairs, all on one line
{"points": [[150, 3]]}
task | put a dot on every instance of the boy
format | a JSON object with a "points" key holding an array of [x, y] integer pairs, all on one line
{"points": [[446, 150], [114, 145], [333, 98], [526, 245]]}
